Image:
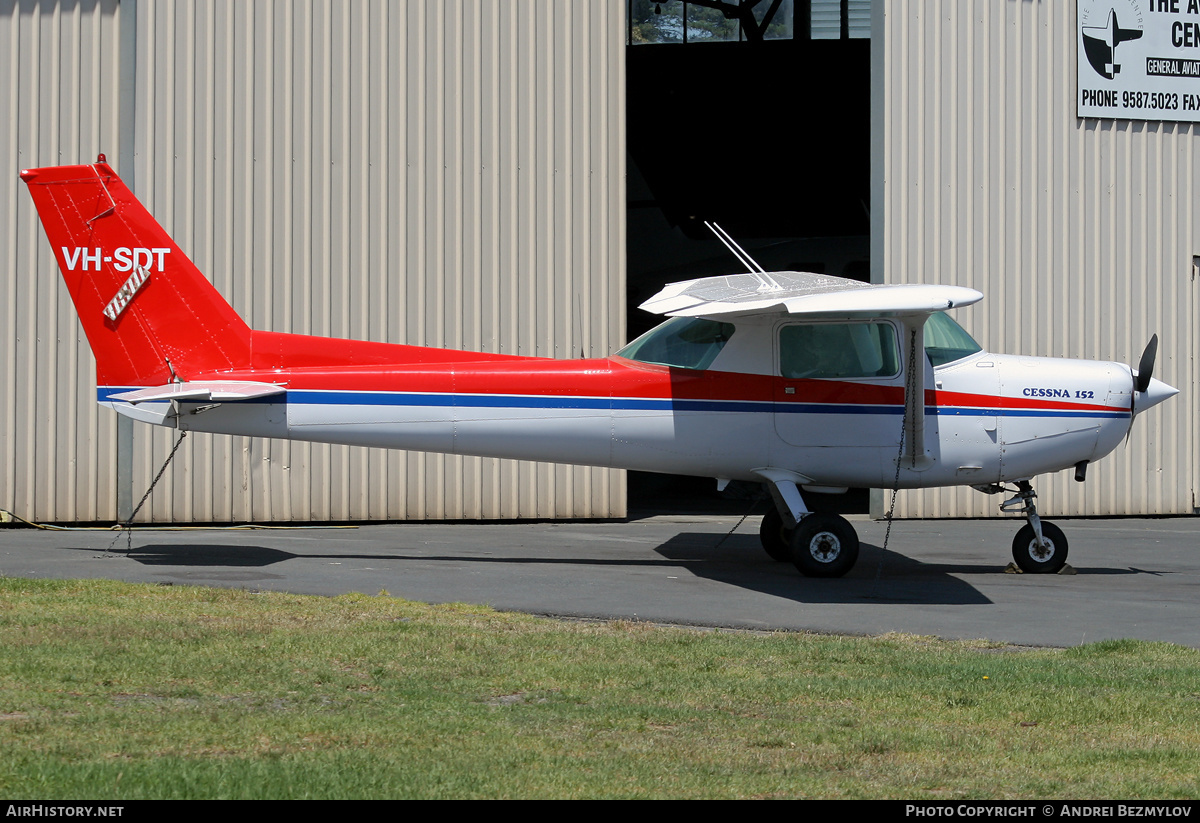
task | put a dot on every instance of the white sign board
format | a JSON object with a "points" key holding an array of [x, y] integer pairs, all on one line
{"points": [[1138, 59]]}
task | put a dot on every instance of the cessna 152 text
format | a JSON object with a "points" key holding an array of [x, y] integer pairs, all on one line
{"points": [[801, 382]]}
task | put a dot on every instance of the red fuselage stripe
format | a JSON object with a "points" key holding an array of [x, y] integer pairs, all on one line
{"points": [[616, 377]]}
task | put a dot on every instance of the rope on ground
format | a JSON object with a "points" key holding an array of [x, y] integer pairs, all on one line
{"points": [[128, 523], [736, 526]]}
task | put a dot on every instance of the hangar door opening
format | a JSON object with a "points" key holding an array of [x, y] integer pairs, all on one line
{"points": [[754, 114]]}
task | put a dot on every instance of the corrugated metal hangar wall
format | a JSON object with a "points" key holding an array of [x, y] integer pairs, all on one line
{"points": [[1080, 231], [434, 173], [452, 173]]}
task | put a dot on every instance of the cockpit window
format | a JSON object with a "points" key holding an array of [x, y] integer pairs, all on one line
{"points": [[833, 350], [946, 341], [682, 342]]}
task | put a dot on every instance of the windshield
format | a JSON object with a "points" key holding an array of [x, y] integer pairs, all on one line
{"points": [[946, 341], [682, 342]]}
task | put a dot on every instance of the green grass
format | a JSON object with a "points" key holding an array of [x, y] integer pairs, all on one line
{"points": [[118, 691]]}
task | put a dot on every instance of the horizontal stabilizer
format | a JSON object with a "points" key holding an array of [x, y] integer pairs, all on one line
{"points": [[803, 293], [216, 392]]}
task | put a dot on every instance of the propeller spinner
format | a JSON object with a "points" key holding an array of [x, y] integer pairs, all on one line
{"points": [[1148, 392]]}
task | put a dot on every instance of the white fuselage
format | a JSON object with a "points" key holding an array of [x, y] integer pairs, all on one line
{"points": [[988, 418]]}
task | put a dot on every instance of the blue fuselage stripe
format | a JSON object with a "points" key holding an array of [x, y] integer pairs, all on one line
{"points": [[340, 398]]}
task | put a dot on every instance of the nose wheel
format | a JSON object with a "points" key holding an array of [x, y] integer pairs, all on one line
{"points": [[1044, 557], [1040, 547]]}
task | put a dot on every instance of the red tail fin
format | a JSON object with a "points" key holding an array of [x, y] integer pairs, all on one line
{"points": [[145, 307]]}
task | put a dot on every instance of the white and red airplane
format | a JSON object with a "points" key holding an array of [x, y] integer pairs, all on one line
{"points": [[797, 381]]}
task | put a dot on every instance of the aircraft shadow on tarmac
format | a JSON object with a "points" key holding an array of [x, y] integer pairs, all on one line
{"points": [[879, 578], [735, 560], [208, 555]]}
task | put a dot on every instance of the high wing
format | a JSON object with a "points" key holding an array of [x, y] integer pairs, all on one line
{"points": [[794, 292]]}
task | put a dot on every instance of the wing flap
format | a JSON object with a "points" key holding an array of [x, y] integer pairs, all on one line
{"points": [[216, 391]]}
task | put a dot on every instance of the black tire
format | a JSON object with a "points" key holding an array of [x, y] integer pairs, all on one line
{"points": [[824, 545], [776, 538], [1033, 560]]}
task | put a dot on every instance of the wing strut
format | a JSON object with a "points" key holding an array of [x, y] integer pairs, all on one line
{"points": [[912, 450]]}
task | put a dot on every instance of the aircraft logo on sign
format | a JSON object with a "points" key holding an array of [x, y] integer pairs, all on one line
{"points": [[1100, 42]]}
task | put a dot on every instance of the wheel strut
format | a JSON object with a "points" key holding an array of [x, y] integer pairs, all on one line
{"points": [[1022, 503], [1039, 548], [819, 545]]}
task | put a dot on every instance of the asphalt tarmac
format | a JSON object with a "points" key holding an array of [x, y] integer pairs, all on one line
{"points": [[1132, 578]]}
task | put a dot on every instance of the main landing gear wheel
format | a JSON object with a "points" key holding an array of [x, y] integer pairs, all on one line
{"points": [[1045, 559], [776, 538], [824, 545]]}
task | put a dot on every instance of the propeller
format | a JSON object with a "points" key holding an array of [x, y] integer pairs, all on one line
{"points": [[1147, 391], [1146, 366]]}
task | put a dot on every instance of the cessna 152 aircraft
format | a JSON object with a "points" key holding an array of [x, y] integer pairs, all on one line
{"points": [[801, 382]]}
